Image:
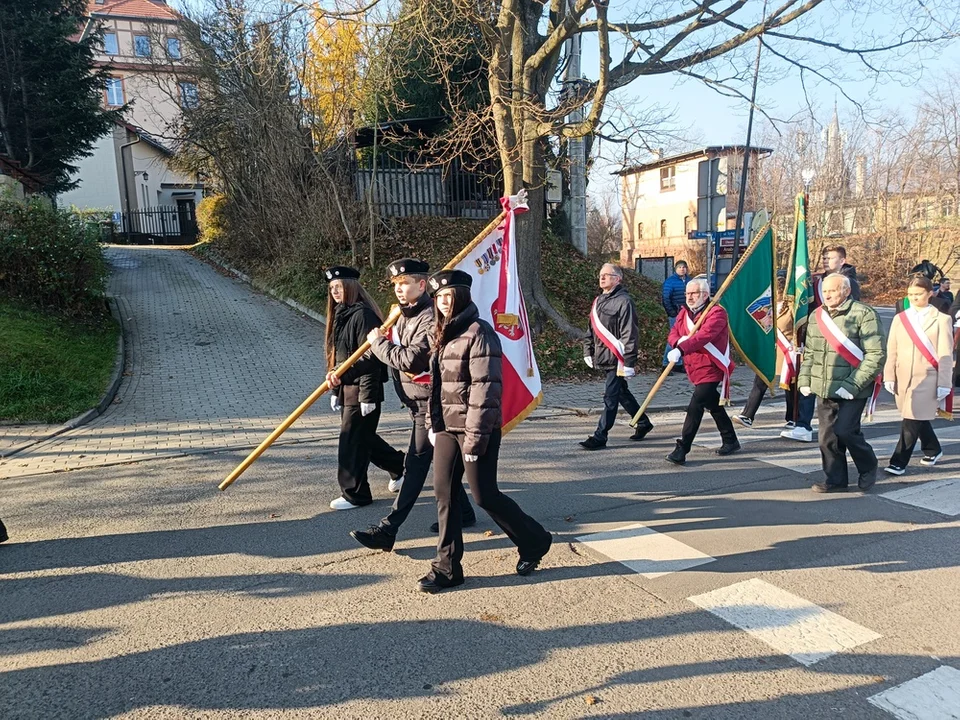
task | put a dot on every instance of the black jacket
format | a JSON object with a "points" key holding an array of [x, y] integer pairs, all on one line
{"points": [[617, 314], [363, 382], [410, 356]]}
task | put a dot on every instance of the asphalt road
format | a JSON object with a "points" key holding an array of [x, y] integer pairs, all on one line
{"points": [[139, 590]]}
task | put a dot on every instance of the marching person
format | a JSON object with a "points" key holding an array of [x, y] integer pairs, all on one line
{"points": [[358, 394], [919, 372], [834, 259], [706, 352], [944, 291], [673, 289], [926, 269], [611, 346], [406, 351], [464, 420], [844, 355]]}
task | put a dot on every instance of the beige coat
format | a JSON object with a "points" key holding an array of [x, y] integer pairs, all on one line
{"points": [[916, 380]]}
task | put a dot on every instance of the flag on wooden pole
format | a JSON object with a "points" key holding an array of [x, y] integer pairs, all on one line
{"points": [[798, 292]]}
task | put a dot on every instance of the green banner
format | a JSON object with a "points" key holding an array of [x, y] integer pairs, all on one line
{"points": [[749, 302], [799, 292]]}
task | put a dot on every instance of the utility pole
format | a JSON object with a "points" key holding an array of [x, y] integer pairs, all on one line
{"points": [[575, 150]]}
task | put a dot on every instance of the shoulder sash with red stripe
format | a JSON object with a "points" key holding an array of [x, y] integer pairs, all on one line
{"points": [[720, 358], [609, 340], [848, 350], [911, 323]]}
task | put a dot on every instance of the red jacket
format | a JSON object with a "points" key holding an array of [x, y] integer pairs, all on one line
{"points": [[699, 365]]}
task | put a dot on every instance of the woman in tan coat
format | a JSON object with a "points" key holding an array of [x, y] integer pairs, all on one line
{"points": [[919, 373]]}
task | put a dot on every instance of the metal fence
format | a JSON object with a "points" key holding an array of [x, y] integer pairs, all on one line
{"points": [[166, 225], [448, 191]]}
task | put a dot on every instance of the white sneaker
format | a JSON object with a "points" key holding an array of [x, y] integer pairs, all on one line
{"points": [[799, 434], [341, 503], [930, 460], [395, 485]]}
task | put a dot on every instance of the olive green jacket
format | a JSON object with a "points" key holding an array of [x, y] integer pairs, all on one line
{"points": [[825, 371]]}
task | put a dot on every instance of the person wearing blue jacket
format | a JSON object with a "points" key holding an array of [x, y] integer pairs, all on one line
{"points": [[674, 297]]}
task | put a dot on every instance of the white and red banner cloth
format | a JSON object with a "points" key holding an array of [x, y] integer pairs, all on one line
{"points": [[791, 361], [611, 341], [496, 292], [848, 350], [911, 323], [720, 357]]}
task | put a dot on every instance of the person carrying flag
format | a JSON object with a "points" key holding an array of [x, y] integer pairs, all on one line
{"points": [[918, 372], [843, 357], [706, 354], [406, 352], [611, 346]]}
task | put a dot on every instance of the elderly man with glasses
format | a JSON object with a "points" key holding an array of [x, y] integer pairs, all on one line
{"points": [[611, 346], [706, 355]]}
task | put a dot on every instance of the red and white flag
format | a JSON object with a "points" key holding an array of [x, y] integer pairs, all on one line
{"points": [[496, 293]]}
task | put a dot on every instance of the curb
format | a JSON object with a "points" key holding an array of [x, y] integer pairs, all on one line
{"points": [[257, 285], [83, 418]]}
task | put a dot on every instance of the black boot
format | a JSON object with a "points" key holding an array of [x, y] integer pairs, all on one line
{"points": [[643, 427], [434, 582], [679, 454], [376, 538], [729, 447]]}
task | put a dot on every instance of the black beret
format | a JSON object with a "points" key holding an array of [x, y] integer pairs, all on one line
{"points": [[448, 279], [342, 272], [407, 266]]}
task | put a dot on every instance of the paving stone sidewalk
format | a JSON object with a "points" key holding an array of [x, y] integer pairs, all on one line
{"points": [[213, 365]]}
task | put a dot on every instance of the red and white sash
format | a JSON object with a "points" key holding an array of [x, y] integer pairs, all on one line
{"points": [[911, 323], [848, 350], [421, 379], [791, 361], [609, 340], [720, 358]]}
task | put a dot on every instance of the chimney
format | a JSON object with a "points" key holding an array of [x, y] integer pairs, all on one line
{"points": [[658, 154], [860, 175]]}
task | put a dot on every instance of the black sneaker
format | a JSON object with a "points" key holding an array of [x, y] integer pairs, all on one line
{"points": [[930, 460], [867, 479], [434, 582], [643, 427], [895, 469], [728, 448], [376, 538], [591, 443], [679, 455], [465, 523], [528, 565], [744, 420], [825, 488]]}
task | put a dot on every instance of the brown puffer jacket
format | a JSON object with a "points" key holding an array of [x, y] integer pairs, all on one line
{"points": [[466, 375]]}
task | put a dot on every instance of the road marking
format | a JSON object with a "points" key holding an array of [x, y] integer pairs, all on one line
{"points": [[933, 696], [942, 496], [796, 627], [645, 551], [808, 460]]}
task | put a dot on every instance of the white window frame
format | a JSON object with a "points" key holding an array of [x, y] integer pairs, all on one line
{"points": [[668, 178], [116, 44], [114, 86], [136, 46]]}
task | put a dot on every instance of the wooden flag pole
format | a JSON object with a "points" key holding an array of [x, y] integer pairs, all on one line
{"points": [[703, 316], [345, 365]]}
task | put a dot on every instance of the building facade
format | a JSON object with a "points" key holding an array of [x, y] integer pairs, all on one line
{"points": [[129, 169], [664, 201]]}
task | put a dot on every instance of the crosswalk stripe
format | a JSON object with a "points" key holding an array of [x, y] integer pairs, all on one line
{"points": [[942, 496], [644, 550], [932, 696], [790, 624]]}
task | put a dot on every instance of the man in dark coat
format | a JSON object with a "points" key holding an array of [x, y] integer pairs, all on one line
{"points": [[835, 261], [673, 299], [611, 346]]}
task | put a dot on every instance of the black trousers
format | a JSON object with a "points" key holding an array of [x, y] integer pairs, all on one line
{"points": [[449, 470], [616, 393], [416, 465], [706, 396], [910, 432], [840, 433], [805, 406], [359, 446]]}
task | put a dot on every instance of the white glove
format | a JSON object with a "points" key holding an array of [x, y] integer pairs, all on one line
{"points": [[805, 390], [674, 356], [943, 392], [629, 372], [589, 361], [335, 402], [470, 458], [367, 408], [844, 394], [432, 437], [890, 385]]}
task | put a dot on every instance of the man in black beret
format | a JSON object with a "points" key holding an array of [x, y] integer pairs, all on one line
{"points": [[406, 351]]}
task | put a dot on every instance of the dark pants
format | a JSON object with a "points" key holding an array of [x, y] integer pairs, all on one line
{"points": [[616, 392], [706, 396], [839, 433], [359, 446], [415, 468], [910, 432], [805, 407], [449, 470]]}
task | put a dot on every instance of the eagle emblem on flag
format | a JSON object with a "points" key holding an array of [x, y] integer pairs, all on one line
{"points": [[761, 310]]}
